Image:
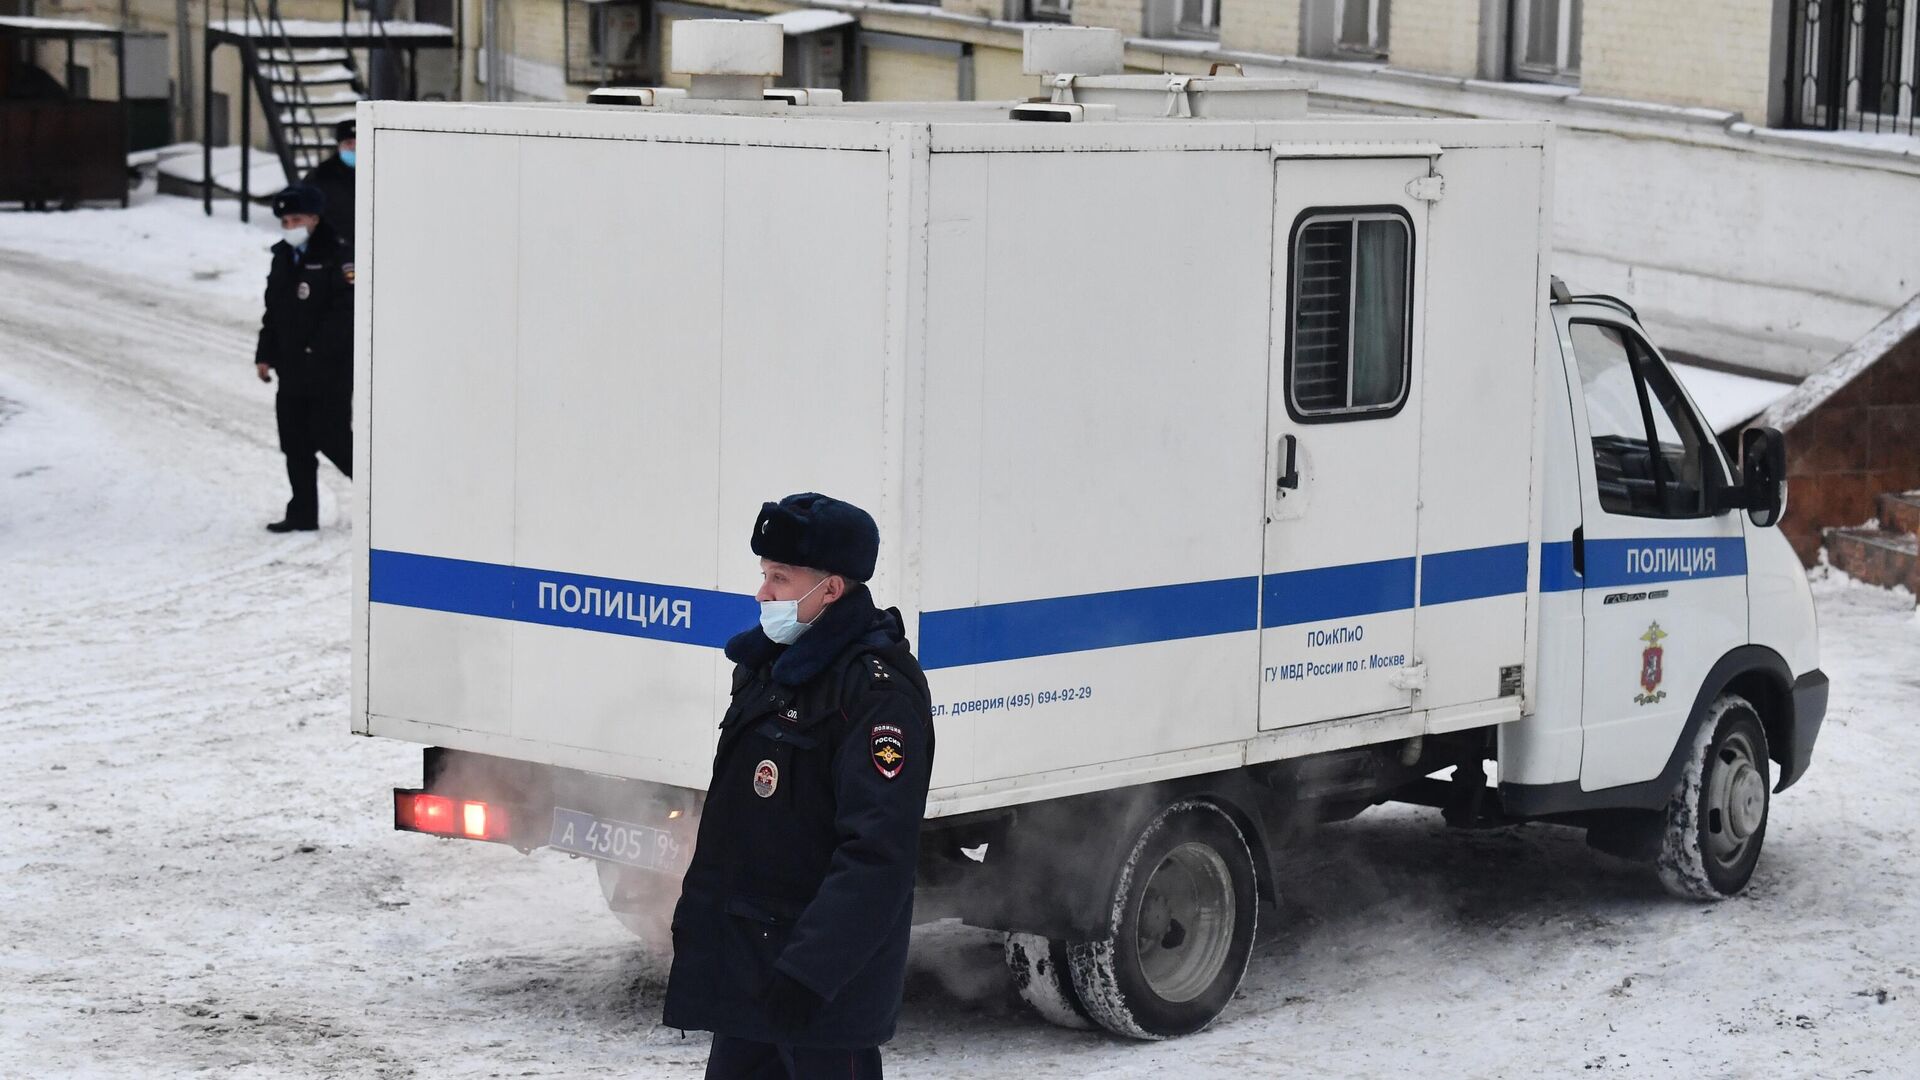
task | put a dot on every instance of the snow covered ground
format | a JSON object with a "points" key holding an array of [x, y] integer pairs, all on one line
{"points": [[198, 874]]}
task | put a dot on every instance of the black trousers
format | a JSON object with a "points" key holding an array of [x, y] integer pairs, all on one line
{"points": [[739, 1059], [313, 422]]}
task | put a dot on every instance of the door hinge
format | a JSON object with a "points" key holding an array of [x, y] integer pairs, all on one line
{"points": [[1429, 188], [1412, 677]]}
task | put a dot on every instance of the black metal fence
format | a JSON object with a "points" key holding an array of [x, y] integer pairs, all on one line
{"points": [[1851, 65]]}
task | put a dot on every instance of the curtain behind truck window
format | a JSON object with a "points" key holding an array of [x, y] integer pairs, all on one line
{"points": [[1629, 394], [1350, 287]]}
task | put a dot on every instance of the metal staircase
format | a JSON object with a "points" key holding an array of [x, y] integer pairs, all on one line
{"points": [[307, 75], [305, 92]]}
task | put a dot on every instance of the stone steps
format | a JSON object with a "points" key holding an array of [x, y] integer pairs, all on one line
{"points": [[1877, 556], [1899, 511]]}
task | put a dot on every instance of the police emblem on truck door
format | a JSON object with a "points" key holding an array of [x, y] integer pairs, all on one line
{"points": [[1652, 667]]}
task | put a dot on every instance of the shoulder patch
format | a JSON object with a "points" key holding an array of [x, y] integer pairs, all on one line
{"points": [[346, 271], [889, 747]]}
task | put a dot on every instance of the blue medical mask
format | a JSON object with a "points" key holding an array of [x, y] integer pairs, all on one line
{"points": [[347, 156], [780, 619]]}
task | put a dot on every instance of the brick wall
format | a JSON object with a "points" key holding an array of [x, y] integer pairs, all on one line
{"points": [[1441, 36], [1713, 53], [1265, 26], [1123, 15], [905, 75], [1857, 444], [997, 75]]}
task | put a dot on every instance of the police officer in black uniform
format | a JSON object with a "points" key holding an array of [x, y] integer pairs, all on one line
{"points": [[334, 178], [790, 937], [306, 336]]}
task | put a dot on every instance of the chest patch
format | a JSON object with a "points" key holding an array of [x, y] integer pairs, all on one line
{"points": [[889, 750], [766, 778], [305, 290]]}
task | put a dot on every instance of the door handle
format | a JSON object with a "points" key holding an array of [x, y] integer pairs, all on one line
{"points": [[1289, 475]]}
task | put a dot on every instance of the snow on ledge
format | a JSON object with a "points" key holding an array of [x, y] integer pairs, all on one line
{"points": [[313, 28], [1845, 368]]}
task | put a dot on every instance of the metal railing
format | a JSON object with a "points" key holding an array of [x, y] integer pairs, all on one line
{"points": [[1851, 66], [270, 101]]}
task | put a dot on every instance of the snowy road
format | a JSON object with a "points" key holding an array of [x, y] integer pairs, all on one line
{"points": [[198, 872]]}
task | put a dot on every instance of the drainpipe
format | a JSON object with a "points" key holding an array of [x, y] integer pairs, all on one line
{"points": [[183, 79], [490, 15]]}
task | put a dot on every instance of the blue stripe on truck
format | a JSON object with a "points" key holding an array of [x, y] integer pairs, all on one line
{"points": [[1611, 564], [1451, 576], [553, 598], [1336, 592], [989, 633]]}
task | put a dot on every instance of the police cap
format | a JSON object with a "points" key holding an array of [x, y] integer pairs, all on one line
{"points": [[813, 530], [300, 199]]}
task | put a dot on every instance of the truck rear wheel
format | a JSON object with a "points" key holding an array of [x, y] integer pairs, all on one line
{"points": [[1040, 972], [1717, 818], [619, 885], [1180, 927]]}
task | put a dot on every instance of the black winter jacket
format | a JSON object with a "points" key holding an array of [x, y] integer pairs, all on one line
{"points": [[334, 178], [809, 838], [307, 332]]}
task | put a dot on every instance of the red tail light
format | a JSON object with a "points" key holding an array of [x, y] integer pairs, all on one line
{"points": [[427, 813], [417, 811]]}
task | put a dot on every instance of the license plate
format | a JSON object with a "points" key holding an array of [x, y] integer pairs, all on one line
{"points": [[617, 841]]}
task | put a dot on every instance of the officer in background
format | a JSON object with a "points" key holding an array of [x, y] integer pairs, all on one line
{"points": [[790, 937], [306, 336], [334, 178]]}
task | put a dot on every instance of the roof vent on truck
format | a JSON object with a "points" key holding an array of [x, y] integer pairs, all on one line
{"points": [[1083, 70], [728, 59]]}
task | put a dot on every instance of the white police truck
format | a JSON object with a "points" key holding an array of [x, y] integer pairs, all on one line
{"points": [[1237, 467]]}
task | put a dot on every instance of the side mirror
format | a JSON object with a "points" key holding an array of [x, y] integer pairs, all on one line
{"points": [[1763, 475]]}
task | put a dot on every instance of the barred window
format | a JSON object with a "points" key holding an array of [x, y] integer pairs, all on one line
{"points": [[1352, 283]]}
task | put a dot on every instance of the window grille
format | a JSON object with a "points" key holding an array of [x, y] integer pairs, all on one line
{"points": [[1851, 65], [1352, 290]]}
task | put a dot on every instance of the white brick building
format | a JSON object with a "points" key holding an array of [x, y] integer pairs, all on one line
{"points": [[1693, 178]]}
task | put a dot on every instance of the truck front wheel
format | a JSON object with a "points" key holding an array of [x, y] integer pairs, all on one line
{"points": [[1180, 927], [1717, 818]]}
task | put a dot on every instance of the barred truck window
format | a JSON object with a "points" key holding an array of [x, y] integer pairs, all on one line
{"points": [[1352, 292]]}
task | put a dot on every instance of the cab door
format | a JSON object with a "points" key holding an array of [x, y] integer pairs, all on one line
{"points": [[1662, 575], [1338, 580]]}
